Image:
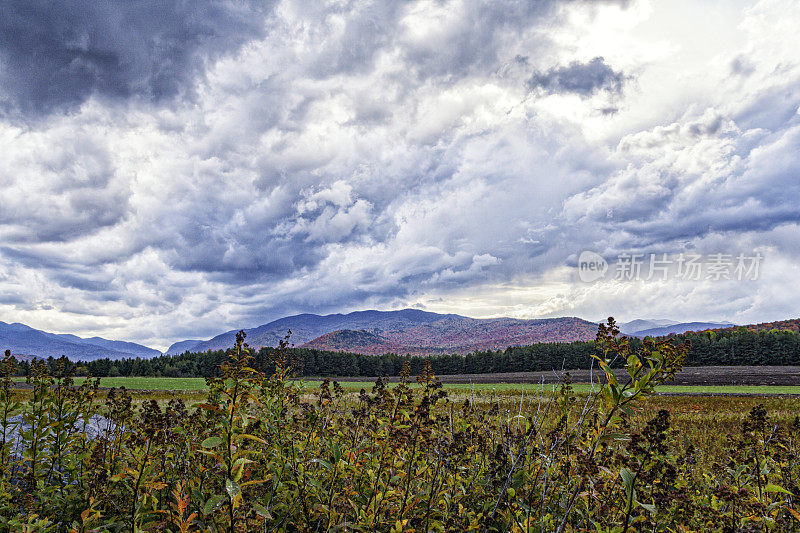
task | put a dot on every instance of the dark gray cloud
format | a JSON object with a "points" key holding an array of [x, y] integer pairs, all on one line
{"points": [[583, 79], [460, 43], [56, 54]]}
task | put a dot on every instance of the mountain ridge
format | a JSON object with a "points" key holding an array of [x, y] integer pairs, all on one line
{"points": [[411, 331], [304, 331], [405, 330], [25, 341], [790, 324], [679, 328], [641, 324]]}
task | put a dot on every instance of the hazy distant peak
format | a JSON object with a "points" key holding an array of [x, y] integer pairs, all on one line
{"points": [[24, 340]]}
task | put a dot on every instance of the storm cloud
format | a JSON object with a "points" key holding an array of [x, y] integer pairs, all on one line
{"points": [[583, 79], [174, 172], [55, 55]]}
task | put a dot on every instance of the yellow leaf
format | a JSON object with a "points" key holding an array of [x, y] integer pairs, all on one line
{"points": [[251, 437]]}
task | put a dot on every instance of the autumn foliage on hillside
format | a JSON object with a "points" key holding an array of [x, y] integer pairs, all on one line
{"points": [[455, 335], [779, 325]]}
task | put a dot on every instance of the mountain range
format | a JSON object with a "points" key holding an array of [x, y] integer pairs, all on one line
{"points": [[26, 342], [662, 327], [405, 331], [409, 331], [640, 324], [419, 332]]}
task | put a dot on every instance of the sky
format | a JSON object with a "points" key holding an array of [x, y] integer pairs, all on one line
{"points": [[179, 170]]}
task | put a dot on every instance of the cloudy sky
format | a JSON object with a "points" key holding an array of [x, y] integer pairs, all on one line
{"points": [[175, 172]]}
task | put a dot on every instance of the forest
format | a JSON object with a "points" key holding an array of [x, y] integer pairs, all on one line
{"points": [[728, 347]]}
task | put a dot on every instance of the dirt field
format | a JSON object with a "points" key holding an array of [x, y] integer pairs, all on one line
{"points": [[701, 375]]}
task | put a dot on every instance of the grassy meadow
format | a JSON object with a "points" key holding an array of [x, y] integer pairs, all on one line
{"points": [[161, 385]]}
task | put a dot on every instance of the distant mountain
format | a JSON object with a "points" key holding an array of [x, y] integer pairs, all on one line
{"points": [[183, 346], [641, 324], [24, 340], [680, 328], [408, 329], [792, 324], [348, 340], [307, 327], [117, 346]]}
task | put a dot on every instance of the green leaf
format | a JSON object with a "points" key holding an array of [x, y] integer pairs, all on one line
{"points": [[212, 503], [614, 436], [261, 510], [772, 487], [232, 487], [627, 478], [337, 452], [241, 461], [648, 507], [211, 442], [324, 463]]}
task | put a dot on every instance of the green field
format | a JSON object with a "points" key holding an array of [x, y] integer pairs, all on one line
{"points": [[198, 384], [149, 383]]}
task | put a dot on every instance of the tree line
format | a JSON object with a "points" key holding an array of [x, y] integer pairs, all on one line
{"points": [[730, 347]]}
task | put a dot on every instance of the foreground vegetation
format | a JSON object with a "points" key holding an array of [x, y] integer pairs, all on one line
{"points": [[260, 454]]}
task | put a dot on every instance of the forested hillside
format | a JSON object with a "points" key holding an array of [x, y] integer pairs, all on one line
{"points": [[405, 331], [781, 325]]}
